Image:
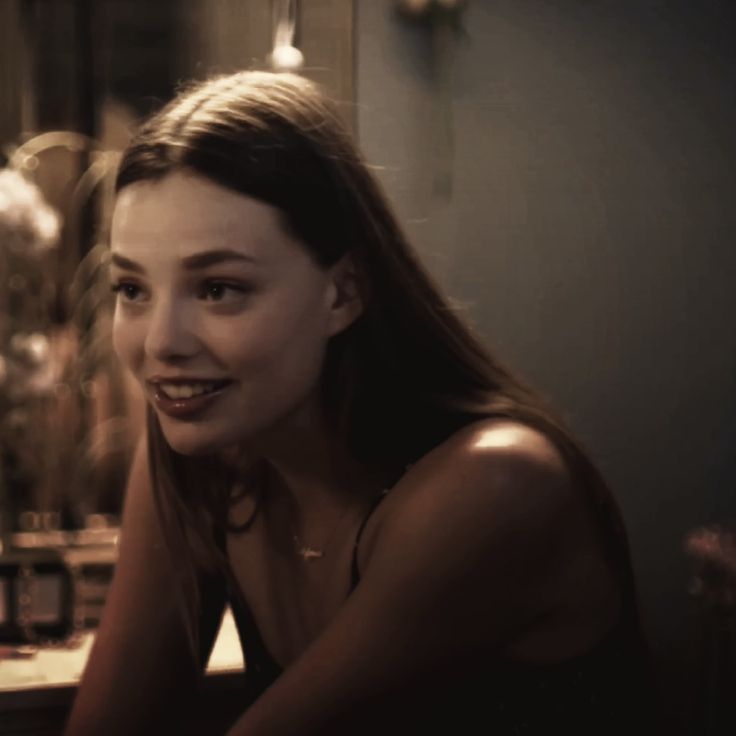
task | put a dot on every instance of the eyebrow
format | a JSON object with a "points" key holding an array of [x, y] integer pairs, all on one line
{"points": [[190, 263]]}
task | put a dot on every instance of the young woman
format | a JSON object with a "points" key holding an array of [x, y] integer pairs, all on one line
{"points": [[408, 537]]}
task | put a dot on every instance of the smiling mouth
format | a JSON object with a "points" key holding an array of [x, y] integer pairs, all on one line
{"points": [[180, 405], [177, 391]]}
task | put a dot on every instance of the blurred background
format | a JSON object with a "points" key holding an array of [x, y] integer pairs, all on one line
{"points": [[565, 168]]}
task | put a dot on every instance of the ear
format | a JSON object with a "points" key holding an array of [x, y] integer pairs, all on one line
{"points": [[345, 303]]}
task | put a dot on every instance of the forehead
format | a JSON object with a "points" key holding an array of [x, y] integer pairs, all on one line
{"points": [[185, 213]]}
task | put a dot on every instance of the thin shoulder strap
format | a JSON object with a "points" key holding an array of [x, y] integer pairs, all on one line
{"points": [[354, 570]]}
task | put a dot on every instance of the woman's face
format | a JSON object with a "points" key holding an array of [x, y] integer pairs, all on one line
{"points": [[220, 314]]}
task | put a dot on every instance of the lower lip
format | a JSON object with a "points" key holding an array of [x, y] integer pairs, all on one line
{"points": [[186, 408]]}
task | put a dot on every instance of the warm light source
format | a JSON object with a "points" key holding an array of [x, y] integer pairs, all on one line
{"points": [[285, 57]]}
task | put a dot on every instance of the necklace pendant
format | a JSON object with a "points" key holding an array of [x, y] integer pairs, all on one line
{"points": [[310, 553]]}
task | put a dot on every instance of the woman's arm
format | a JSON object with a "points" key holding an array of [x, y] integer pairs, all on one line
{"points": [[140, 671], [471, 553]]}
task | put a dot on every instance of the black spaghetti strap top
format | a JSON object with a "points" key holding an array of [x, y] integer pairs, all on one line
{"points": [[604, 691]]}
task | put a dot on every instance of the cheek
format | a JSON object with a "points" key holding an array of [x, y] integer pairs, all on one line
{"points": [[284, 345], [302, 355]]}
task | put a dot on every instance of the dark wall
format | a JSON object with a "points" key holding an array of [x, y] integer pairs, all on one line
{"points": [[589, 228]]}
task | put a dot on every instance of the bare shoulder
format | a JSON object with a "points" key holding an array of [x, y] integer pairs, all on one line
{"points": [[492, 508], [504, 449], [496, 489], [493, 467]]}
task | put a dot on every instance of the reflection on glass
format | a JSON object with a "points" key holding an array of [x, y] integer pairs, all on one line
{"points": [[46, 603]]}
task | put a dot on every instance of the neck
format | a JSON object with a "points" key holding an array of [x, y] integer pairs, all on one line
{"points": [[313, 475], [321, 482]]}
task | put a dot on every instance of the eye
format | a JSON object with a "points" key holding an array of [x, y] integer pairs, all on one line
{"points": [[217, 291], [126, 289]]}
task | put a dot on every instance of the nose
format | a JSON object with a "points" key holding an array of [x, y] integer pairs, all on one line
{"points": [[170, 334]]}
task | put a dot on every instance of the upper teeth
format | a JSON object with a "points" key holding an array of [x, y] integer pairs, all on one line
{"points": [[185, 390]]}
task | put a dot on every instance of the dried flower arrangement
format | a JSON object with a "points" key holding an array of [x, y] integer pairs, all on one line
{"points": [[64, 409]]}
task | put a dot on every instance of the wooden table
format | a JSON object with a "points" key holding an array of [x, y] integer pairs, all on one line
{"points": [[37, 690]]}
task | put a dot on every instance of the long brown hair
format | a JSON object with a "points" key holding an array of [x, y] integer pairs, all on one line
{"points": [[405, 375]]}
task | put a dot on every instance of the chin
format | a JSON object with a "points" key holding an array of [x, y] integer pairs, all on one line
{"points": [[191, 449], [193, 443]]}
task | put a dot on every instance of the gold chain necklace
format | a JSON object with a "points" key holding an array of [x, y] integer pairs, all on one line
{"points": [[309, 553]]}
